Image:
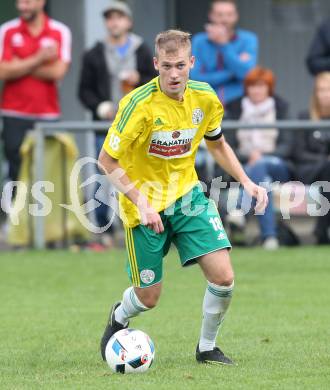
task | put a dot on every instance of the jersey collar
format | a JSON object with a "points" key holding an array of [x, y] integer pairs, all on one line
{"points": [[25, 26]]}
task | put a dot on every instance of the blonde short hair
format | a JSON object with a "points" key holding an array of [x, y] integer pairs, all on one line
{"points": [[171, 41]]}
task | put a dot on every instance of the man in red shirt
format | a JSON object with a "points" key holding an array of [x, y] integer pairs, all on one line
{"points": [[35, 52]]}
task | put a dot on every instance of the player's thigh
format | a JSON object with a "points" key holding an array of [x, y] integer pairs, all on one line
{"points": [[145, 251], [198, 233], [217, 267]]}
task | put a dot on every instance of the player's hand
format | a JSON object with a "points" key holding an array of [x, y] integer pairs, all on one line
{"points": [[259, 193], [151, 218]]}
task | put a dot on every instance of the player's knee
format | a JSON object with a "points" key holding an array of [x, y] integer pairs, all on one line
{"points": [[148, 298], [224, 279], [228, 281], [150, 301]]}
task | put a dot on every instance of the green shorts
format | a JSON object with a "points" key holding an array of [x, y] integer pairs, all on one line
{"points": [[192, 224]]}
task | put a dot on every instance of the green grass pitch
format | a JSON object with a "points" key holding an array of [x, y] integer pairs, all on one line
{"points": [[54, 307]]}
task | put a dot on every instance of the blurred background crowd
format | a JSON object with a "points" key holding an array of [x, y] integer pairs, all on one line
{"points": [[267, 60]]}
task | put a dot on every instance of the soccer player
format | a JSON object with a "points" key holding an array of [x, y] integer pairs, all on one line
{"points": [[149, 155]]}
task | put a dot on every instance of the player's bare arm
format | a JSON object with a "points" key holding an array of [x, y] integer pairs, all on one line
{"points": [[150, 217], [226, 158]]}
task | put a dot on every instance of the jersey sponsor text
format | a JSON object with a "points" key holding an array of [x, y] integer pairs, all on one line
{"points": [[171, 144]]}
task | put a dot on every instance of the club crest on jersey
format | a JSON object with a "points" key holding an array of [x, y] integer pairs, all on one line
{"points": [[197, 116], [147, 276], [171, 144]]}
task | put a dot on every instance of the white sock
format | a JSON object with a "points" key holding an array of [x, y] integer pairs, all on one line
{"points": [[215, 304], [130, 307]]}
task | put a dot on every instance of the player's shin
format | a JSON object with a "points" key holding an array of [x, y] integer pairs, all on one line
{"points": [[130, 307], [216, 302]]}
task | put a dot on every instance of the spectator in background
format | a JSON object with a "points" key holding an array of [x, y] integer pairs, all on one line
{"points": [[35, 52], [111, 69], [115, 66], [312, 149], [264, 152], [318, 57], [224, 53]]}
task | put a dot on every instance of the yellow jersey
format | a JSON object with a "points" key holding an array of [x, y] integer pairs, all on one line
{"points": [[155, 139]]}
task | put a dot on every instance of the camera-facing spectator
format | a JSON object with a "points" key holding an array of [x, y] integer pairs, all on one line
{"points": [[318, 57], [35, 52], [114, 66], [312, 149], [224, 53], [265, 153]]}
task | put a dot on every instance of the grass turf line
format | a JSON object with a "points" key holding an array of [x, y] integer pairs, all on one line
{"points": [[54, 307]]}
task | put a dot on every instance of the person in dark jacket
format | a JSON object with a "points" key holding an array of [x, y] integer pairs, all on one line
{"points": [[265, 153], [115, 66], [111, 69], [312, 151], [318, 57]]}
